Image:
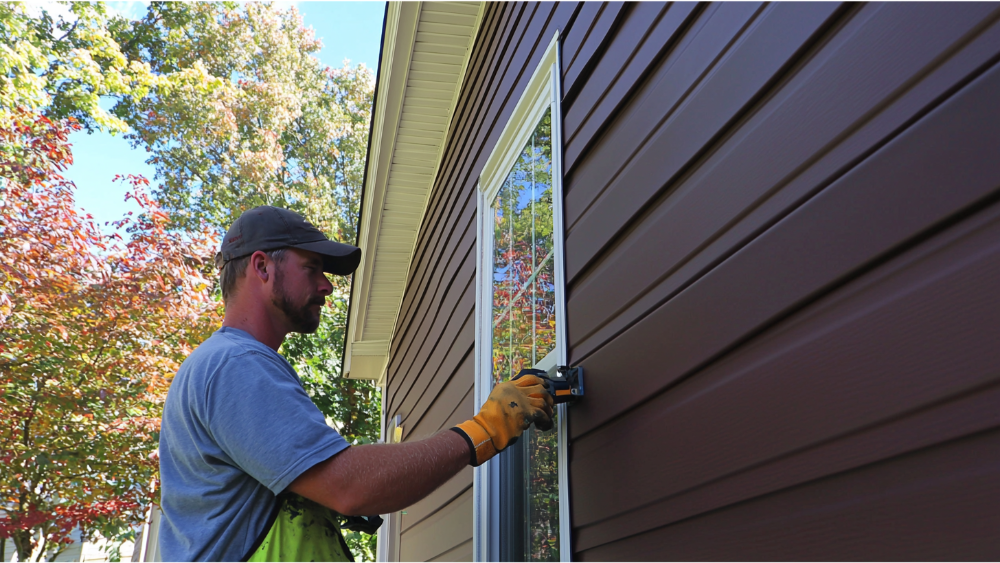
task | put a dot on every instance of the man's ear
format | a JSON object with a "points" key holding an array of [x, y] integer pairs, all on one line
{"points": [[259, 266]]}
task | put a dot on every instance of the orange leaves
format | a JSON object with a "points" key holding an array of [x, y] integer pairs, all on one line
{"points": [[92, 329], [62, 331]]}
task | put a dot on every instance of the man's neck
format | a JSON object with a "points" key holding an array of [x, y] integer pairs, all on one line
{"points": [[257, 323]]}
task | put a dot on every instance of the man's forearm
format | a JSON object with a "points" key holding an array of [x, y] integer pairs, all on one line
{"points": [[382, 478], [377, 479]]}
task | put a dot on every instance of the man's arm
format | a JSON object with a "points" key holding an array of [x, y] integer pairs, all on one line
{"points": [[382, 478]]}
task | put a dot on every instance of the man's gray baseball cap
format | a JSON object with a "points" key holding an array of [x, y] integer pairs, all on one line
{"points": [[270, 228]]}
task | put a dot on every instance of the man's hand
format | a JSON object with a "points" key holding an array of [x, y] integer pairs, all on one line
{"points": [[510, 409]]}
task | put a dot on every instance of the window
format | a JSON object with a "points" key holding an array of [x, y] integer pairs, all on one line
{"points": [[521, 499]]}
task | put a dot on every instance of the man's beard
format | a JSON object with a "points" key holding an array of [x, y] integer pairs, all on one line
{"points": [[301, 318]]}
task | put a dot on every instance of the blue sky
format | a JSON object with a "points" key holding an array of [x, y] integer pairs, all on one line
{"points": [[349, 30]]}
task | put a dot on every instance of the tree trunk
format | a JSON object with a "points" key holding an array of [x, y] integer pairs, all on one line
{"points": [[22, 544]]}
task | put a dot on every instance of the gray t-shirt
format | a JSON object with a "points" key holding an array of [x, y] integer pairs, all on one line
{"points": [[237, 429]]}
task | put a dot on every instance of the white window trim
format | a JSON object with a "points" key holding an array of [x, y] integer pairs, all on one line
{"points": [[543, 92]]}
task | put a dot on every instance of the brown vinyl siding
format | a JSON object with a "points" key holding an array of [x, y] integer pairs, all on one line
{"points": [[595, 25], [819, 395], [726, 231], [647, 32], [440, 533], [783, 251]]}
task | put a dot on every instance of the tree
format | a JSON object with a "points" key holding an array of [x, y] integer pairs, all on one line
{"points": [[92, 328], [245, 115]]}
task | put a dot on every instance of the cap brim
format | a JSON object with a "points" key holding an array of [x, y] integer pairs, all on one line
{"points": [[338, 258]]}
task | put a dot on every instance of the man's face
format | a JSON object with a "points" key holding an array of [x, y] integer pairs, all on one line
{"points": [[300, 290]]}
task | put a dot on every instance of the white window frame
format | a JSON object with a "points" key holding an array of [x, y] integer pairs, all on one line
{"points": [[542, 93]]}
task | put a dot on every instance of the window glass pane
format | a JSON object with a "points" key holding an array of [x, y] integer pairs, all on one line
{"points": [[524, 322], [544, 305], [521, 191], [501, 252], [520, 329], [542, 486], [542, 193], [543, 496], [501, 348]]}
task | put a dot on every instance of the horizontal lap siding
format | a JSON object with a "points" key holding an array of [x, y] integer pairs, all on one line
{"points": [[936, 504], [703, 86], [646, 31], [449, 527], [430, 376], [855, 377], [593, 28], [783, 247]]}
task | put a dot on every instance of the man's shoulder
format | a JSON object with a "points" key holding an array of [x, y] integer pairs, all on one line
{"points": [[224, 350], [227, 343]]}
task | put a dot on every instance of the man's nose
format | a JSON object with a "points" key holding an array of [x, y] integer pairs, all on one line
{"points": [[326, 287]]}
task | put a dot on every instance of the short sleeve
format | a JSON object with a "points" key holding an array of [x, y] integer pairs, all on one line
{"points": [[261, 417]]}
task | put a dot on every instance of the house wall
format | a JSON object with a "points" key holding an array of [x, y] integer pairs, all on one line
{"points": [[782, 253], [77, 550]]}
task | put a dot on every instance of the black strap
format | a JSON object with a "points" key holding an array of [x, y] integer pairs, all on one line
{"points": [[278, 502], [343, 544], [472, 447]]}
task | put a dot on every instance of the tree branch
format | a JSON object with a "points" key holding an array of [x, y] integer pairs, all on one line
{"points": [[69, 32]]}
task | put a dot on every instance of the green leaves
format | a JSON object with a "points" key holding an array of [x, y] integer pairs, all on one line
{"points": [[62, 67], [244, 115]]}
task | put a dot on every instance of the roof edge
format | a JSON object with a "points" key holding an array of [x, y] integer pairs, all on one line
{"points": [[401, 25]]}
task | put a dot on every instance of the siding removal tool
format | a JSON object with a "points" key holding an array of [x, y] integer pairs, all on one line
{"points": [[565, 383]]}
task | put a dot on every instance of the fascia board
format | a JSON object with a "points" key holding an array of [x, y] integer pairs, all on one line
{"points": [[401, 27], [440, 154], [402, 22]]}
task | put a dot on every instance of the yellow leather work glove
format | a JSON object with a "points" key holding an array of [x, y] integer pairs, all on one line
{"points": [[510, 409]]}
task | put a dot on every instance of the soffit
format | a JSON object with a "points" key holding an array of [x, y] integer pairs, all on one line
{"points": [[425, 50]]}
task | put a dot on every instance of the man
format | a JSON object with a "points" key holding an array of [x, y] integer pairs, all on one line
{"points": [[249, 469]]}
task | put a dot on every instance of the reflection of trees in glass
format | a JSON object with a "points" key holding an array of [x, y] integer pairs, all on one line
{"points": [[523, 282], [524, 317], [542, 490]]}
